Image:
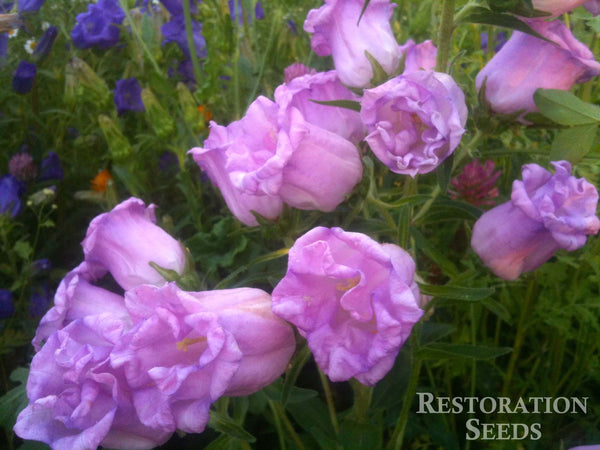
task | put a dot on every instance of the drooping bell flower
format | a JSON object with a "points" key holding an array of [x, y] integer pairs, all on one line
{"points": [[353, 299], [557, 7], [30, 5], [511, 77], [24, 77], [99, 26], [126, 240], [7, 305], [51, 168], [547, 212], [128, 95], [11, 191], [336, 31], [44, 46]]}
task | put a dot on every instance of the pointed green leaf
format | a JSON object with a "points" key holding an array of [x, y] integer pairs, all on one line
{"points": [[565, 108], [347, 104], [226, 425], [572, 144], [456, 292], [444, 350]]}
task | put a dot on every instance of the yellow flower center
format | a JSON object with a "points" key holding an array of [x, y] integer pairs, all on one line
{"points": [[183, 344]]}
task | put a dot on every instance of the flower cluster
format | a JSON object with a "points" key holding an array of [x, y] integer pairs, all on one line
{"points": [[99, 26], [126, 369]]}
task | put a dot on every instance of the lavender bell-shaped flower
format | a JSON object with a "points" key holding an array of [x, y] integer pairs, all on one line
{"points": [[547, 212]]}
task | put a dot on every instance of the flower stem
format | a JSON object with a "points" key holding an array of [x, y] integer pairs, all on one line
{"points": [[138, 36], [445, 35], [362, 400], [189, 32], [398, 435], [519, 337], [329, 399]]}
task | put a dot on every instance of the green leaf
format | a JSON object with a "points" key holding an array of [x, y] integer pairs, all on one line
{"points": [[298, 363], [565, 108], [364, 8], [497, 308], [432, 252], [443, 173], [444, 209], [572, 144], [443, 350], [347, 104], [379, 73], [23, 249], [226, 425], [355, 435], [456, 292], [313, 417], [485, 16]]}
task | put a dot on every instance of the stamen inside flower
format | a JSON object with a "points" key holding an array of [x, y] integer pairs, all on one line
{"points": [[183, 344], [348, 284]]}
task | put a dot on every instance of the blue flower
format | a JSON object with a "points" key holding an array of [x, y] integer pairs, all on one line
{"points": [[22, 81], [99, 26], [175, 7], [235, 11], [3, 45], [259, 13], [51, 168], [40, 300], [128, 96], [7, 306], [174, 31], [44, 45], [11, 191], [30, 5]]}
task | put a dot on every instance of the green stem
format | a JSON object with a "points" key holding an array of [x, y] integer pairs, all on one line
{"points": [[445, 35], [280, 412], [189, 32], [275, 20], [362, 400], [329, 399], [138, 36], [278, 427], [398, 436], [525, 313]]}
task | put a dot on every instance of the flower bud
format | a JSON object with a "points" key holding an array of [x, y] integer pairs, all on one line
{"points": [[117, 143], [160, 120], [191, 114], [83, 83]]}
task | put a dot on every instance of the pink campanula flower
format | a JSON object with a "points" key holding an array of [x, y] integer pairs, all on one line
{"points": [[547, 212], [420, 56], [270, 157], [260, 343], [337, 31], [353, 299], [297, 70], [415, 120], [243, 161], [77, 400], [125, 240], [557, 7], [512, 76], [593, 6], [303, 91], [476, 183]]}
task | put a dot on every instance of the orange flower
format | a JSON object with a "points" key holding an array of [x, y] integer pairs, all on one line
{"points": [[207, 113], [99, 182]]}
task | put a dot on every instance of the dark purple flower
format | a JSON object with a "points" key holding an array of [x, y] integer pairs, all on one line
{"points": [[292, 26], [235, 11], [99, 26], [175, 7], [22, 81], [6, 7], [174, 31], [7, 306], [476, 183], [501, 39], [30, 5], [3, 45], [40, 300], [44, 45], [11, 191], [259, 13], [40, 265], [128, 95], [168, 161], [22, 167], [51, 168]]}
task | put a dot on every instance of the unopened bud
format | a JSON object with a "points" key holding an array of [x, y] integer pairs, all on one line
{"points": [[160, 120], [192, 116], [118, 144]]}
